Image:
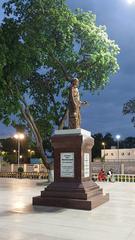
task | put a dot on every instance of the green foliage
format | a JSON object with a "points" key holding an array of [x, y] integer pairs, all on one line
{"points": [[4, 155], [96, 151], [97, 53], [107, 139], [43, 46]]}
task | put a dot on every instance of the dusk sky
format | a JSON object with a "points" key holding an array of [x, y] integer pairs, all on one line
{"points": [[104, 113]]}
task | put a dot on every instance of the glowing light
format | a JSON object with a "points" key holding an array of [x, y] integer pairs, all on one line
{"points": [[18, 205], [3, 153], [19, 136], [131, 1], [117, 137]]}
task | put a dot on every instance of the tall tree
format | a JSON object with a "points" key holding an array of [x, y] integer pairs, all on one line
{"points": [[129, 108], [96, 151], [44, 45], [128, 142], [109, 141]]}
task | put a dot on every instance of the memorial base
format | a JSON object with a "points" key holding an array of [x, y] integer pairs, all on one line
{"points": [[72, 186], [85, 196]]}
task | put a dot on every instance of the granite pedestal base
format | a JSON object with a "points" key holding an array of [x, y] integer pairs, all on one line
{"points": [[85, 196], [72, 186]]}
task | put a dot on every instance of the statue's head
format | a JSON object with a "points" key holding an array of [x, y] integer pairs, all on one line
{"points": [[75, 82]]}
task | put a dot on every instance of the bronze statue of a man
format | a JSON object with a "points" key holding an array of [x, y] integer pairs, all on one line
{"points": [[74, 105]]}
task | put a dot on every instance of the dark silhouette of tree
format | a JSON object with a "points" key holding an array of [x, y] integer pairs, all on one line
{"points": [[129, 108]]}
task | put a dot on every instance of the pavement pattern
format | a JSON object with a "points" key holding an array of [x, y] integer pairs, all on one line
{"points": [[19, 220]]}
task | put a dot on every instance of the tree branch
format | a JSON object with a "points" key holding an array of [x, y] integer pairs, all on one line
{"points": [[67, 77]]}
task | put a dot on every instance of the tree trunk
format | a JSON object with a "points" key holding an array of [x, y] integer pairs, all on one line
{"points": [[30, 121], [62, 121]]}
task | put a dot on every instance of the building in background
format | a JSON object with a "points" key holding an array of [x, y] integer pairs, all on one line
{"points": [[118, 154]]}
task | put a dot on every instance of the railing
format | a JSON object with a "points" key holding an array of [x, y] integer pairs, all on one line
{"points": [[31, 175], [118, 177], [35, 175]]}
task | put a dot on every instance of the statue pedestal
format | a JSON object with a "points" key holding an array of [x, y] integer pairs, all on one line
{"points": [[72, 186]]}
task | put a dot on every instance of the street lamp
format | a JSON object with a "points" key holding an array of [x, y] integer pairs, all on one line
{"points": [[18, 137], [103, 144], [31, 152], [118, 140]]}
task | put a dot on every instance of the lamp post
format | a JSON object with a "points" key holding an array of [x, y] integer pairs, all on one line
{"points": [[31, 152], [18, 137], [118, 140], [103, 144]]}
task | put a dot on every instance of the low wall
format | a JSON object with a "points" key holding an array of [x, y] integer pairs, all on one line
{"points": [[27, 168], [122, 167]]}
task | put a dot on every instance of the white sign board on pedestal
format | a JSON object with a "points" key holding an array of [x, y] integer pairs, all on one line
{"points": [[67, 165], [86, 165]]}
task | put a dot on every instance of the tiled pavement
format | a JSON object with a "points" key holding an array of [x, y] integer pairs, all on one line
{"points": [[114, 220]]}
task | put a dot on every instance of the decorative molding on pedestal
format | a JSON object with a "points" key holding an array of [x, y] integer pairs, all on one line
{"points": [[77, 131]]}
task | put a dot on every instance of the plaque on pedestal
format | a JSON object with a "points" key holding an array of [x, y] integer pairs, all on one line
{"points": [[86, 165], [67, 165]]}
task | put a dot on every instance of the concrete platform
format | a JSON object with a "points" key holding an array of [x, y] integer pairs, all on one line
{"points": [[19, 220]]}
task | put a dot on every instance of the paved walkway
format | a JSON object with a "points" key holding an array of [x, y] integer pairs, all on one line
{"points": [[114, 220]]}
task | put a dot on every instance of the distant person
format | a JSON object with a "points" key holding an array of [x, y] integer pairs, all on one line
{"points": [[110, 176], [101, 175]]}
